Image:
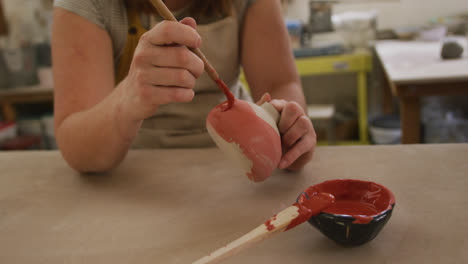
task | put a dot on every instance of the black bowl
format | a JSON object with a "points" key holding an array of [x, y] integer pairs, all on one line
{"points": [[343, 228]]}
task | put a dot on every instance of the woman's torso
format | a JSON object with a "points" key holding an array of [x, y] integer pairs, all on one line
{"points": [[181, 125]]}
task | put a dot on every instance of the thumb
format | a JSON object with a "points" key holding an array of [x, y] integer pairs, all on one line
{"points": [[265, 98]]}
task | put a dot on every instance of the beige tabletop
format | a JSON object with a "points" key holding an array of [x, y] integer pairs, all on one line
{"points": [[407, 62], [174, 206]]}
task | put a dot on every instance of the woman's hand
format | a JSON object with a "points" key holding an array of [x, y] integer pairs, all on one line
{"points": [[269, 67], [298, 138], [163, 70]]}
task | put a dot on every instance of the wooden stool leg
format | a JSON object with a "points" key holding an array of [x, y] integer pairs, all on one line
{"points": [[9, 113], [410, 120], [331, 133], [387, 97], [362, 106]]}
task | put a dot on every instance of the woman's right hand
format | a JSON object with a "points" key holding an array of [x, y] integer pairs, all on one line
{"points": [[163, 70]]}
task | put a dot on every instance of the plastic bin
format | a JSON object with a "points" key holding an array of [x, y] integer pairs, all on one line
{"points": [[385, 130], [7, 131], [295, 33]]}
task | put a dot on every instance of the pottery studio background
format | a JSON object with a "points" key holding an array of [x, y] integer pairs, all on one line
{"points": [[346, 52]]}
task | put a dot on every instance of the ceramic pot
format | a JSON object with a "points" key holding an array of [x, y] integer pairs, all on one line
{"points": [[248, 134]]}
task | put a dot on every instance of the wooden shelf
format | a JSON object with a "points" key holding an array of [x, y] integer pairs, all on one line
{"points": [[23, 95]]}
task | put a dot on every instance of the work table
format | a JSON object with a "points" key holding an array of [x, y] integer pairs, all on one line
{"points": [[414, 69], [175, 206]]}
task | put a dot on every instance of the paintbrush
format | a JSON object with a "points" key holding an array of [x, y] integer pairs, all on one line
{"points": [[283, 221]]}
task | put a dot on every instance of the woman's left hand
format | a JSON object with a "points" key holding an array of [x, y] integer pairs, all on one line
{"points": [[298, 136]]}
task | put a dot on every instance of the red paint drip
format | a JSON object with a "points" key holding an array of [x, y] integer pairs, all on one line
{"points": [[227, 92], [269, 225], [310, 207]]}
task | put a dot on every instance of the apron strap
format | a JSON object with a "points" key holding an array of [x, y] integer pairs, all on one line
{"points": [[135, 31]]}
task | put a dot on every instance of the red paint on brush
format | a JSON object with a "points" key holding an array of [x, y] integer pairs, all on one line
{"points": [[310, 207], [227, 92], [269, 225], [360, 199], [259, 142]]}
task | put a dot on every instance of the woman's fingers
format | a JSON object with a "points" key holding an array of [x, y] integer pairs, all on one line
{"points": [[171, 57], [176, 77], [303, 147], [279, 104], [265, 98], [177, 57], [170, 32], [290, 112], [299, 129], [166, 95], [163, 69], [159, 95], [297, 135]]}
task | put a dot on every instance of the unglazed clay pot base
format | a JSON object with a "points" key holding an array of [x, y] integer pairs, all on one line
{"points": [[249, 135]]}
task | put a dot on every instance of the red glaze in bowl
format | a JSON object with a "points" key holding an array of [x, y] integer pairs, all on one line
{"points": [[360, 211]]}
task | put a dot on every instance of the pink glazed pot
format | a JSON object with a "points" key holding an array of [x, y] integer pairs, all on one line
{"points": [[248, 134]]}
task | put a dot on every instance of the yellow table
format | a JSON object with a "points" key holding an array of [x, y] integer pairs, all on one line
{"points": [[358, 63], [175, 206]]}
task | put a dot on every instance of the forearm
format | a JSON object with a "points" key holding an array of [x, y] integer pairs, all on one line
{"points": [[267, 58], [96, 139]]}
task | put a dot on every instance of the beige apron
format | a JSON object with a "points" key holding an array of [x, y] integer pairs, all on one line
{"points": [[182, 125]]}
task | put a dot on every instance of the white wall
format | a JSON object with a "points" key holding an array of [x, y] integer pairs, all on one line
{"points": [[29, 20], [392, 13]]}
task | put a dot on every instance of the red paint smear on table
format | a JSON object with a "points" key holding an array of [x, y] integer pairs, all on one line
{"points": [[360, 199], [310, 207], [259, 142], [227, 92]]}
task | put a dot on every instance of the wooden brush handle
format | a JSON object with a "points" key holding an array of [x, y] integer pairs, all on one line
{"points": [[167, 15], [276, 224]]}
